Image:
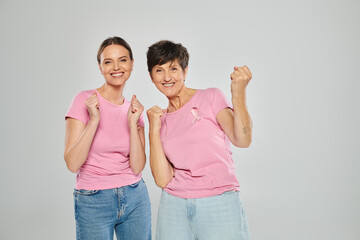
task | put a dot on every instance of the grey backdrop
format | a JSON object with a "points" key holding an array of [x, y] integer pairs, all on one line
{"points": [[299, 178]]}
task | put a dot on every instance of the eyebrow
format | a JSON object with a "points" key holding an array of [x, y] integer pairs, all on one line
{"points": [[119, 58]]}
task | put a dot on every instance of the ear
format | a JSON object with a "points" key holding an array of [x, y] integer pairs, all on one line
{"points": [[132, 64], [185, 72], [151, 77]]}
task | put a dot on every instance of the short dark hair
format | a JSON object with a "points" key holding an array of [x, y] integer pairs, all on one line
{"points": [[113, 40], [166, 51]]}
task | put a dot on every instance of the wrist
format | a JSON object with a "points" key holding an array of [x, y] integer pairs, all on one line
{"points": [[236, 96], [154, 130], [133, 120], [133, 126], [94, 121], [238, 92]]}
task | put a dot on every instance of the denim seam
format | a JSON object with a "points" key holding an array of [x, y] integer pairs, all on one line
{"points": [[122, 202], [76, 217], [191, 212]]}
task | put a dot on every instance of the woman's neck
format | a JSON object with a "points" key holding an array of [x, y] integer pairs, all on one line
{"points": [[112, 94], [181, 99]]}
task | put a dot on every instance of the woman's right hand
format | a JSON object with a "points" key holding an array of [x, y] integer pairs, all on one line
{"points": [[92, 104], [154, 116]]}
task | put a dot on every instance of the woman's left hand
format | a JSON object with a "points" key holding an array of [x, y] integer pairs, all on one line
{"points": [[239, 80], [135, 110]]}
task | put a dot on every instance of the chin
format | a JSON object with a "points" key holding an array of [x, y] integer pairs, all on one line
{"points": [[116, 83]]}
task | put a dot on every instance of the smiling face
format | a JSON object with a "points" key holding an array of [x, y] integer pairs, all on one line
{"points": [[115, 65], [169, 78]]}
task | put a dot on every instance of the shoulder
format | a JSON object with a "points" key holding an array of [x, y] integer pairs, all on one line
{"points": [[126, 103], [83, 95], [78, 109], [80, 98], [217, 100], [213, 93], [208, 94], [213, 90]]}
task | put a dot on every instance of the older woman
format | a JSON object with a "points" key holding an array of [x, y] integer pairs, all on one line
{"points": [[104, 145], [190, 154]]}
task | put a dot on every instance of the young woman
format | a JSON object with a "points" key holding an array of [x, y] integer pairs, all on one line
{"points": [[190, 154], [104, 145]]}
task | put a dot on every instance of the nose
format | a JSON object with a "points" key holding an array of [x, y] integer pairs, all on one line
{"points": [[167, 76], [116, 65]]}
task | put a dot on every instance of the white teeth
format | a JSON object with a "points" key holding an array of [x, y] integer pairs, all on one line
{"points": [[168, 84], [117, 74]]}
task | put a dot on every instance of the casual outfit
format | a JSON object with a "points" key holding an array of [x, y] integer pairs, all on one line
{"points": [[108, 195], [202, 200]]}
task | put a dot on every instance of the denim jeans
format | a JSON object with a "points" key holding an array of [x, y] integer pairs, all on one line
{"points": [[125, 210], [219, 217]]}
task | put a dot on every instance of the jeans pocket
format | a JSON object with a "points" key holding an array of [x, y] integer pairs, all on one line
{"points": [[229, 192], [84, 192], [134, 184]]}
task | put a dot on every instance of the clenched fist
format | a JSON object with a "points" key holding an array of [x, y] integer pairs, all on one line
{"points": [[239, 80], [92, 104], [135, 110], [154, 116]]}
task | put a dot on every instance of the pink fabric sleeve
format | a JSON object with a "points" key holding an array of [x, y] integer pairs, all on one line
{"points": [[218, 100], [78, 109]]}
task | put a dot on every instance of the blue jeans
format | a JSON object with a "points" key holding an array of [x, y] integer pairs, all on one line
{"points": [[126, 210], [219, 217]]}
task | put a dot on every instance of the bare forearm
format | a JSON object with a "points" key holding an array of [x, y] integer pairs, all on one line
{"points": [[161, 168], [242, 121], [137, 150], [77, 154]]}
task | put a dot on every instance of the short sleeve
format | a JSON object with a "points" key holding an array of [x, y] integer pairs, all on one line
{"points": [[218, 100], [78, 109]]}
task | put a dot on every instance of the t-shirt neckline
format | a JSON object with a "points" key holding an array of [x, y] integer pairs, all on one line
{"points": [[185, 105], [108, 102]]}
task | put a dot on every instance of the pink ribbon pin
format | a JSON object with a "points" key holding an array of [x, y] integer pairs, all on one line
{"points": [[194, 111]]}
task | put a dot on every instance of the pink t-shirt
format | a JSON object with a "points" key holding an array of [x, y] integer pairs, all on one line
{"points": [[198, 148], [107, 165]]}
